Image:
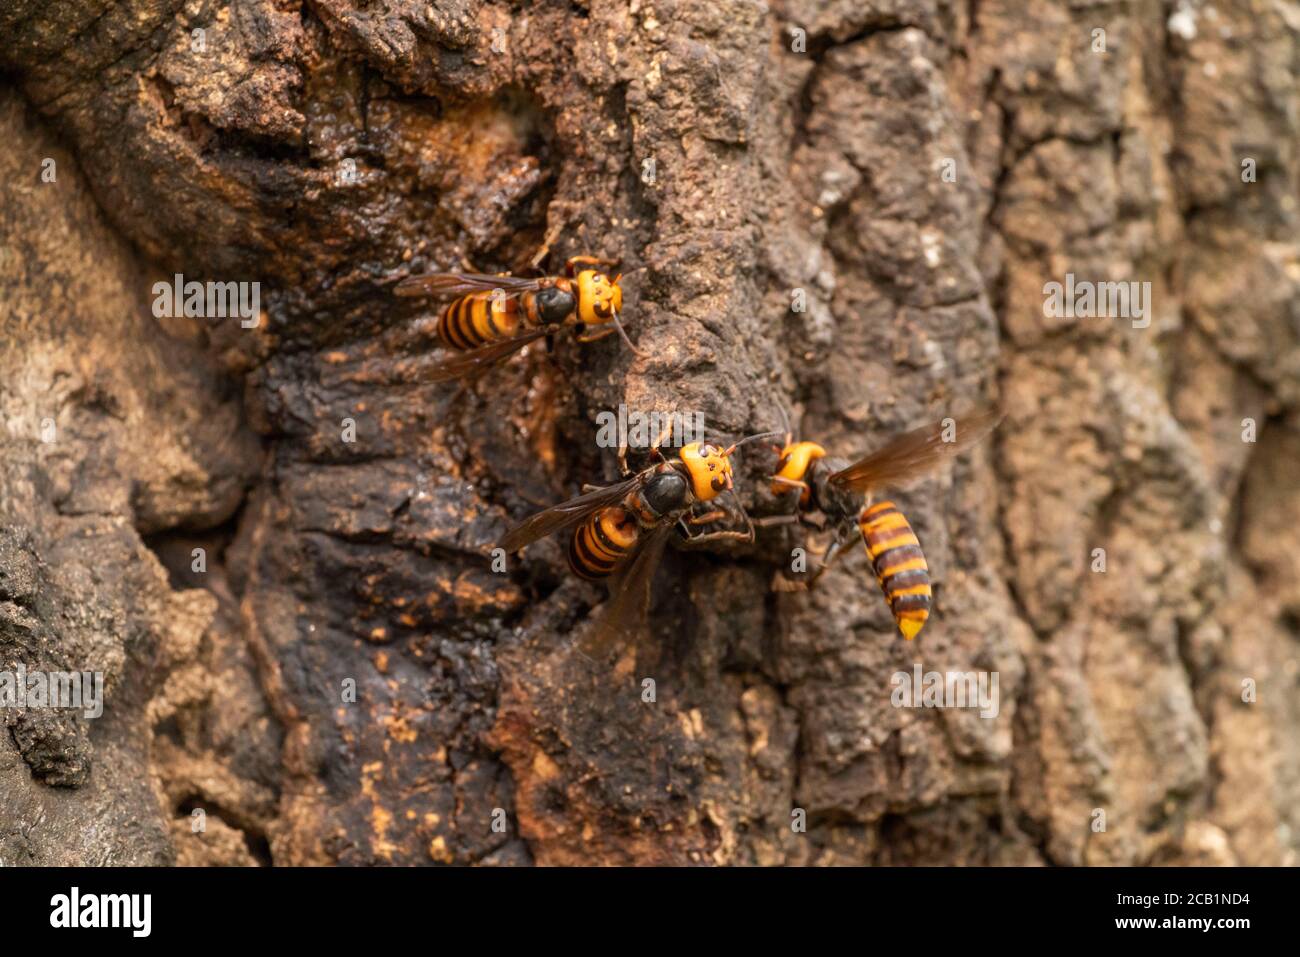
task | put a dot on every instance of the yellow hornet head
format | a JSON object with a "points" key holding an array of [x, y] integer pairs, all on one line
{"points": [[792, 469], [709, 467], [599, 297]]}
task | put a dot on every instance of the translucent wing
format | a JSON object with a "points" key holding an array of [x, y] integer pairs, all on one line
{"points": [[459, 364], [566, 515], [916, 453], [458, 283], [625, 614]]}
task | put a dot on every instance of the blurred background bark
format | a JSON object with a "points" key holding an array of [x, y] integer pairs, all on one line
{"points": [[917, 168]]}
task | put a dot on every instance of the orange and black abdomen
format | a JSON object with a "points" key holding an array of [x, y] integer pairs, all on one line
{"points": [[899, 564], [478, 318], [602, 541]]}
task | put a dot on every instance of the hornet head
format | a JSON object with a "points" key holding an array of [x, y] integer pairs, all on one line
{"points": [[599, 298], [792, 469], [709, 467]]}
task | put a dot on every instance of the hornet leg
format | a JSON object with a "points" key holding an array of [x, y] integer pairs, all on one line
{"points": [[697, 540], [832, 554], [595, 336], [769, 521], [573, 264], [791, 483]]}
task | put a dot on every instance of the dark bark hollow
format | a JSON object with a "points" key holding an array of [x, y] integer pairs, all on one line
{"points": [[850, 210]]}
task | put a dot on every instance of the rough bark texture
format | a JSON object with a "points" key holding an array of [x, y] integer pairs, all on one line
{"points": [[477, 130]]}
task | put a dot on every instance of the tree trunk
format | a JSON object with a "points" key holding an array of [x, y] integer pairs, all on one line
{"points": [[274, 538]]}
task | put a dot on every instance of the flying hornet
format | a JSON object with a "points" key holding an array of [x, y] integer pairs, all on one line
{"points": [[826, 490]]}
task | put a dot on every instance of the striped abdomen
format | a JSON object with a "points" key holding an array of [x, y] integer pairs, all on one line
{"points": [[899, 565], [601, 542], [478, 318]]}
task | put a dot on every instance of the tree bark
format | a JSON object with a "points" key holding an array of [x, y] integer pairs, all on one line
{"points": [[915, 171]]}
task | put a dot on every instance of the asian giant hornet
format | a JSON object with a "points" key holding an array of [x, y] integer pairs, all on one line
{"points": [[619, 531], [492, 317], [844, 493]]}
